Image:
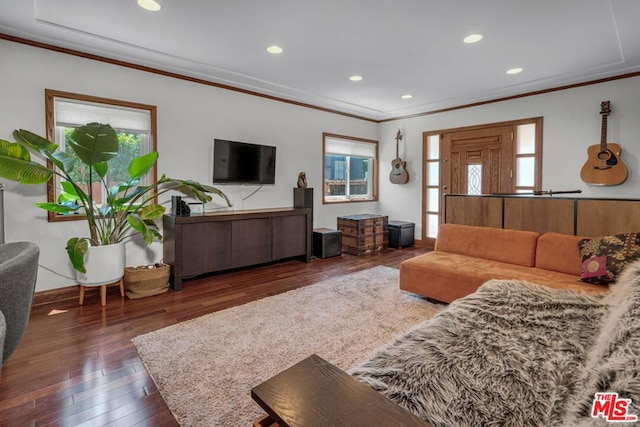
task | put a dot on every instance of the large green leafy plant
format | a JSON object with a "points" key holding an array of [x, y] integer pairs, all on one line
{"points": [[129, 209]]}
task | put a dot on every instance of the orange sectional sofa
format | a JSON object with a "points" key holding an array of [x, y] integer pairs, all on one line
{"points": [[467, 256]]}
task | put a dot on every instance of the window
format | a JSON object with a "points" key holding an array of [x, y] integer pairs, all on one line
{"points": [[350, 169], [431, 200], [134, 123], [528, 158]]}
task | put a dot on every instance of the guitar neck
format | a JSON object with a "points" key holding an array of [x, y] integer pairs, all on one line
{"points": [[603, 136], [605, 109]]}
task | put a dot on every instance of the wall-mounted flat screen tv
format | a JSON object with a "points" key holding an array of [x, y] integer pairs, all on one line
{"points": [[243, 163]]}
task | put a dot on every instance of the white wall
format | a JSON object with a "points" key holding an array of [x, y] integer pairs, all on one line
{"points": [[571, 123], [190, 116]]}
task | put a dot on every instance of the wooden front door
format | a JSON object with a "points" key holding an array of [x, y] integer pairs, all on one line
{"points": [[477, 161]]}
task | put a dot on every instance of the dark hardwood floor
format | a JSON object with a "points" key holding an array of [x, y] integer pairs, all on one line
{"points": [[76, 365]]}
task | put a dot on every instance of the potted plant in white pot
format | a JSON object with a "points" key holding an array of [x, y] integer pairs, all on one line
{"points": [[129, 209]]}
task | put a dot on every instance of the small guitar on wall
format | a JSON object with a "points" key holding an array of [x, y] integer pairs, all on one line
{"points": [[604, 165], [398, 174]]}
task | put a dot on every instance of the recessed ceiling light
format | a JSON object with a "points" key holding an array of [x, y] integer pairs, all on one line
{"points": [[151, 5], [472, 38], [355, 78], [276, 50], [407, 96], [514, 70]]}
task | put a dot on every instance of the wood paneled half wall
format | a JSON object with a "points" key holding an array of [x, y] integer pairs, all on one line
{"points": [[579, 216]]}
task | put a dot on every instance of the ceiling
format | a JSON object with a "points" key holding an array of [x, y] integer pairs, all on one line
{"points": [[399, 47]]}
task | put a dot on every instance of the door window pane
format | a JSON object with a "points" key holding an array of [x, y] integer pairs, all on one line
{"points": [[433, 147], [432, 225], [526, 141], [474, 179], [433, 197], [433, 173], [526, 172]]}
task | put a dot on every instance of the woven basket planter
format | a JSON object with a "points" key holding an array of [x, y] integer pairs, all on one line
{"points": [[146, 281]]}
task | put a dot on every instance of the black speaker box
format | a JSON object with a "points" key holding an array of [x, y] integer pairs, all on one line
{"points": [[401, 234], [327, 242]]}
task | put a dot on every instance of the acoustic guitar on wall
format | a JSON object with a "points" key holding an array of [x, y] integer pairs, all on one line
{"points": [[604, 165], [398, 174]]}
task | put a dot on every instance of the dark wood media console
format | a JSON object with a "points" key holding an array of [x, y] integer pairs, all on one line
{"points": [[212, 242]]}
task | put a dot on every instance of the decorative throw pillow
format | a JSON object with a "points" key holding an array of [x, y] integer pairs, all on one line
{"points": [[603, 258]]}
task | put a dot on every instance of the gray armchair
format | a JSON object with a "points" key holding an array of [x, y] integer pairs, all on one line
{"points": [[18, 270], [3, 331]]}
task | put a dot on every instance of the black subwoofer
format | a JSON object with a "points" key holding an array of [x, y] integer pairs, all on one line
{"points": [[401, 234], [327, 242]]}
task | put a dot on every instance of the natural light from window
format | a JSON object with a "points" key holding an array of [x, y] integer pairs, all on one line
{"points": [[133, 124], [350, 166]]}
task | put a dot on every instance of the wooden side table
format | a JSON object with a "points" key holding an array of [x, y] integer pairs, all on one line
{"points": [[315, 393]]}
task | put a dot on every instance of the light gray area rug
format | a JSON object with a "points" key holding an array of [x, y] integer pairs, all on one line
{"points": [[205, 368]]}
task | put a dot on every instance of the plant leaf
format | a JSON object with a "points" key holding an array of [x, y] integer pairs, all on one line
{"points": [[35, 143], [57, 207], [94, 142], [140, 166], [154, 211], [193, 188], [62, 161], [64, 198], [138, 224], [101, 168], [69, 188], [15, 150], [124, 186], [24, 172], [76, 248]]}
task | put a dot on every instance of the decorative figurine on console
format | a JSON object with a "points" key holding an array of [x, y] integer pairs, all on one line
{"points": [[302, 180]]}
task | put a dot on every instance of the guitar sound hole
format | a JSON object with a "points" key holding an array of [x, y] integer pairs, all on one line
{"points": [[603, 155]]}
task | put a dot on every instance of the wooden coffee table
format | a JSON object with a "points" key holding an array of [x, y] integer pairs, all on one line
{"points": [[314, 393]]}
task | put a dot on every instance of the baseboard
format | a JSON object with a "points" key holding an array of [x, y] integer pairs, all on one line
{"points": [[57, 295]]}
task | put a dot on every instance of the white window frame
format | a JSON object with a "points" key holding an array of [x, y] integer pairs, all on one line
{"points": [[350, 147]]}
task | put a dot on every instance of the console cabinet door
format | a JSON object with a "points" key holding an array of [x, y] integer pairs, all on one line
{"points": [[250, 242], [206, 247], [289, 236]]}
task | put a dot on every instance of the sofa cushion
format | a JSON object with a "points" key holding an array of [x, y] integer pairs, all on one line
{"points": [[604, 257], [559, 252], [445, 276], [497, 244]]}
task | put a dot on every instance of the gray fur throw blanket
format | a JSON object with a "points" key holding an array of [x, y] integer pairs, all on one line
{"points": [[516, 354]]}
